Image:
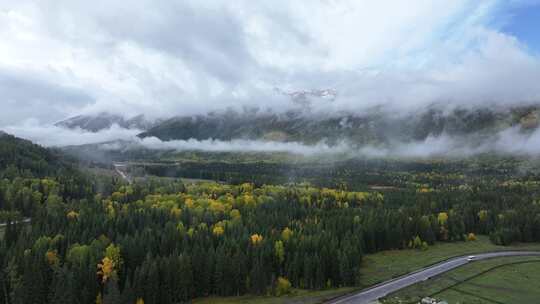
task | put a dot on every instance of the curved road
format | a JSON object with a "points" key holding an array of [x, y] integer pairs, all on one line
{"points": [[381, 290], [118, 167]]}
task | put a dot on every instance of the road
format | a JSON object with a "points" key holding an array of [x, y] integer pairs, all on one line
{"points": [[26, 220], [381, 290], [118, 168]]}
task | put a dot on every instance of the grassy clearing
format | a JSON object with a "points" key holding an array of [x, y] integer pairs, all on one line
{"points": [[298, 296], [386, 265], [518, 283], [475, 286]]}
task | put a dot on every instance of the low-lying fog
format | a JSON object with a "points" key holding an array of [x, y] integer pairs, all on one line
{"points": [[510, 141]]}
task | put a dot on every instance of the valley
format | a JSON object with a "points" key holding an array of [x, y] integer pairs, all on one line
{"points": [[258, 152], [309, 228]]}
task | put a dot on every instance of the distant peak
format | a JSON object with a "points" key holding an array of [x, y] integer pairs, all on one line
{"points": [[305, 97]]}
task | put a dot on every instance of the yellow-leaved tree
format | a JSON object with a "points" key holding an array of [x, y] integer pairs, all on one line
{"points": [[256, 239], [176, 212], [283, 286], [111, 262], [52, 257], [286, 234], [113, 253], [442, 218], [72, 215], [235, 215], [105, 269], [99, 299], [482, 215], [218, 230]]}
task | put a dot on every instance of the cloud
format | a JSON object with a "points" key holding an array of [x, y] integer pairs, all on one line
{"points": [[240, 145], [192, 56], [23, 96], [511, 141], [53, 136]]}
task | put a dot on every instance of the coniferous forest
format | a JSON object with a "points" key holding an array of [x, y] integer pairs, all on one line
{"points": [[269, 152], [72, 236]]}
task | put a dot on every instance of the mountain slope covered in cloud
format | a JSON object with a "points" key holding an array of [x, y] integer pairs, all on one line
{"points": [[368, 128], [430, 134], [102, 121]]}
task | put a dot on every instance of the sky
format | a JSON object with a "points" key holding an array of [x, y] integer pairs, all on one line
{"points": [[60, 58], [523, 23]]}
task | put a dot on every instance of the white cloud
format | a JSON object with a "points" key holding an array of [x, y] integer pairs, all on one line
{"points": [[183, 57], [53, 136], [240, 145], [512, 141], [61, 58]]}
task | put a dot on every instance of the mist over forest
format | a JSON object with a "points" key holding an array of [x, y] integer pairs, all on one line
{"points": [[232, 152]]}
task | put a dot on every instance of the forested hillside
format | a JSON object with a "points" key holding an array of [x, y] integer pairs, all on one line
{"points": [[22, 157], [373, 126]]}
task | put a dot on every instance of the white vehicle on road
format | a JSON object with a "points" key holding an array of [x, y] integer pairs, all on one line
{"points": [[372, 294]]}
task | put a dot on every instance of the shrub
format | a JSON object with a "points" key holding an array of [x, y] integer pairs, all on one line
{"points": [[283, 286]]}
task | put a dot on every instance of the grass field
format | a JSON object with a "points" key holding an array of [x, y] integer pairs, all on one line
{"points": [[298, 296], [380, 267], [501, 280], [385, 265]]}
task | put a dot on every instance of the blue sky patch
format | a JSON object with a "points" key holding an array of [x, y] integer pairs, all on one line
{"points": [[524, 24]]}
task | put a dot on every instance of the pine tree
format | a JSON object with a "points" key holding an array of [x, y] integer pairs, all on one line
{"points": [[257, 277], [219, 272], [128, 294], [111, 293], [239, 272], [186, 278], [61, 288], [202, 270]]}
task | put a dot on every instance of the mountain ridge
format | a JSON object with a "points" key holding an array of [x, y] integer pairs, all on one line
{"points": [[364, 128], [374, 127], [97, 122]]}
